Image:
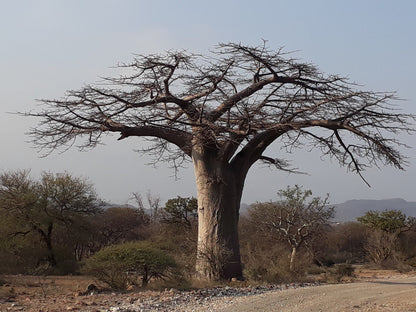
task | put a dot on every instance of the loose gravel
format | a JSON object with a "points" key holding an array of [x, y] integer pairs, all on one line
{"points": [[210, 299], [198, 300]]}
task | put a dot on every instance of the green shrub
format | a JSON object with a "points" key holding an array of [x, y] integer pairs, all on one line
{"points": [[121, 265]]}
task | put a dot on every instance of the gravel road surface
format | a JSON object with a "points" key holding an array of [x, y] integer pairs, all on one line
{"points": [[393, 294]]}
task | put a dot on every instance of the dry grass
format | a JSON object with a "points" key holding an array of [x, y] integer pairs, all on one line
{"points": [[35, 286], [15, 285], [64, 293], [364, 272]]}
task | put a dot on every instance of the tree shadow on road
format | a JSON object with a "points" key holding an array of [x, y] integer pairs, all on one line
{"points": [[393, 283]]}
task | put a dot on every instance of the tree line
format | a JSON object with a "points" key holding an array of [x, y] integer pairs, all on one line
{"points": [[56, 224]]}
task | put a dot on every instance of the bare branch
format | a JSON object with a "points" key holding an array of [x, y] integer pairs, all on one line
{"points": [[236, 101], [280, 164]]}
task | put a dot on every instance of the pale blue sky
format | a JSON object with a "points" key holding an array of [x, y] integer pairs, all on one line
{"points": [[50, 46]]}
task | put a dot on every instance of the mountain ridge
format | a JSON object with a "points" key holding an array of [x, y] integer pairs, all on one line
{"points": [[354, 208]]}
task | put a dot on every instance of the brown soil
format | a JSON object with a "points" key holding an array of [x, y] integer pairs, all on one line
{"points": [[373, 290]]}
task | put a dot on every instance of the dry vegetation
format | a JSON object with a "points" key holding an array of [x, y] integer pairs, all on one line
{"points": [[324, 252], [68, 293]]}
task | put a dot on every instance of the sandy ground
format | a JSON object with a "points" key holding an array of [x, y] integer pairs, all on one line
{"points": [[392, 294]]}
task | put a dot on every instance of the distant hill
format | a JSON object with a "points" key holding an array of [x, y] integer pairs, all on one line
{"points": [[351, 209], [111, 205], [348, 211]]}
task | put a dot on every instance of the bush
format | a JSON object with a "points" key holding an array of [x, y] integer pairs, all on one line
{"points": [[121, 265], [267, 263], [180, 245], [345, 244], [381, 247], [343, 270]]}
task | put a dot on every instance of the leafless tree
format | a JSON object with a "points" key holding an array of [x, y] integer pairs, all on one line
{"points": [[294, 219], [117, 225], [151, 205], [381, 246], [222, 111]]}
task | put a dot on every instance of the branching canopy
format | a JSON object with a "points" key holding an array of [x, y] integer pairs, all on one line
{"points": [[235, 101], [295, 218]]}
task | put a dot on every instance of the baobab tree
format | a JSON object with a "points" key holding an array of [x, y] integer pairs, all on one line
{"points": [[222, 111]]}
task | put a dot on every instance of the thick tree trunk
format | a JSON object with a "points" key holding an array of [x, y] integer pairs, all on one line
{"points": [[219, 194]]}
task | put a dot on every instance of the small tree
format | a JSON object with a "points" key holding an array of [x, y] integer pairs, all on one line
{"points": [[151, 204], [381, 246], [38, 206], [120, 265], [293, 219], [385, 228], [180, 211], [345, 243], [120, 224], [389, 221]]}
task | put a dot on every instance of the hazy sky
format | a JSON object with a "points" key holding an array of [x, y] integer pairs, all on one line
{"points": [[48, 47]]}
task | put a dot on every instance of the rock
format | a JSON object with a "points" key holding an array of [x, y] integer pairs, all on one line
{"points": [[131, 300], [91, 289]]}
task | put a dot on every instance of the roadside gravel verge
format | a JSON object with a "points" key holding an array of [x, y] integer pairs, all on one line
{"points": [[396, 293]]}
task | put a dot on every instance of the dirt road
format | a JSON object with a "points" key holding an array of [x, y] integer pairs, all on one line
{"points": [[393, 294]]}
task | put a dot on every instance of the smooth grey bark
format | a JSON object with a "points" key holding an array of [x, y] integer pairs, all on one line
{"points": [[292, 258], [219, 188]]}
